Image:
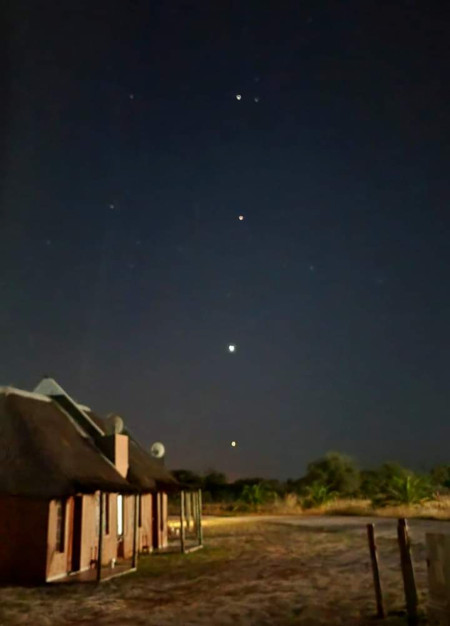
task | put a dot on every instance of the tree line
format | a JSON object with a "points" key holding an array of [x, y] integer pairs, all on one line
{"points": [[333, 476]]}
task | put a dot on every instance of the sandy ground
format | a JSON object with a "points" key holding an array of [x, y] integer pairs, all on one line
{"points": [[273, 571]]}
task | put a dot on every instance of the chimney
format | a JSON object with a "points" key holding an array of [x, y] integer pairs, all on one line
{"points": [[115, 447]]}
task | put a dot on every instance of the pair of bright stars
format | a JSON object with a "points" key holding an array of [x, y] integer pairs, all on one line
{"points": [[239, 97], [232, 348]]}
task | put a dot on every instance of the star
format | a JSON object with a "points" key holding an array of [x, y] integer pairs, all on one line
{"points": [[241, 218], [238, 96], [233, 444], [311, 268], [231, 348], [131, 96], [111, 206], [256, 98]]}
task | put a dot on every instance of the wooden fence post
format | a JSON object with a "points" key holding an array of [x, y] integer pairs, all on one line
{"points": [[135, 530], [409, 582], [200, 529], [182, 535], [100, 539], [194, 510], [188, 509], [375, 570]]}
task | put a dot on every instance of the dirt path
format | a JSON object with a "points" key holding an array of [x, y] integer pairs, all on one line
{"points": [[385, 527]]}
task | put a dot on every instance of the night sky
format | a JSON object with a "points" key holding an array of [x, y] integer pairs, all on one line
{"points": [[126, 272]]}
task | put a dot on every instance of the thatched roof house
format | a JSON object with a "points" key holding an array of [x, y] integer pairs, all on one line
{"points": [[74, 494], [45, 454]]}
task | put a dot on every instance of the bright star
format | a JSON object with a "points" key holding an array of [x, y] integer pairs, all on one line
{"points": [[241, 217], [238, 96], [233, 444], [231, 348]]}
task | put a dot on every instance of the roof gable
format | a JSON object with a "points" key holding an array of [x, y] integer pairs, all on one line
{"points": [[49, 387]]}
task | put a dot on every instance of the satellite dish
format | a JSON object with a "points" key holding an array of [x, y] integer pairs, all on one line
{"points": [[157, 450], [114, 425]]}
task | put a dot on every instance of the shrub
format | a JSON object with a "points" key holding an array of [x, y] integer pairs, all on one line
{"points": [[317, 494], [337, 472], [375, 482], [256, 495], [440, 477], [406, 489]]}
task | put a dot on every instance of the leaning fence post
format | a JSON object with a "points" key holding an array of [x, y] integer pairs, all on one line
{"points": [[375, 570], [409, 582]]}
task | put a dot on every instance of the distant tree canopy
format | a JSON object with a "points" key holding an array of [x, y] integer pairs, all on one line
{"points": [[337, 472], [214, 479], [375, 481], [440, 476], [188, 479], [326, 478], [215, 486]]}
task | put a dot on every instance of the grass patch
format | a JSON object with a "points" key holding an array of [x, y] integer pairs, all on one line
{"points": [[192, 564]]}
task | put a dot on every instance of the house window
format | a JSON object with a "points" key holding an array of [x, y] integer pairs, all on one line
{"points": [[139, 511], [119, 515], [60, 524], [106, 514]]}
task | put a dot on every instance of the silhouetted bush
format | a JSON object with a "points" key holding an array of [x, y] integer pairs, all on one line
{"points": [[257, 494], [407, 489], [317, 494], [188, 479], [374, 482], [440, 478], [337, 472]]}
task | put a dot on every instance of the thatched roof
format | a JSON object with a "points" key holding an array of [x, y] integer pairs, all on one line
{"points": [[144, 470], [44, 454]]}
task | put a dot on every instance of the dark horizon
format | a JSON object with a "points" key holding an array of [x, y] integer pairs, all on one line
{"points": [[127, 273]]}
